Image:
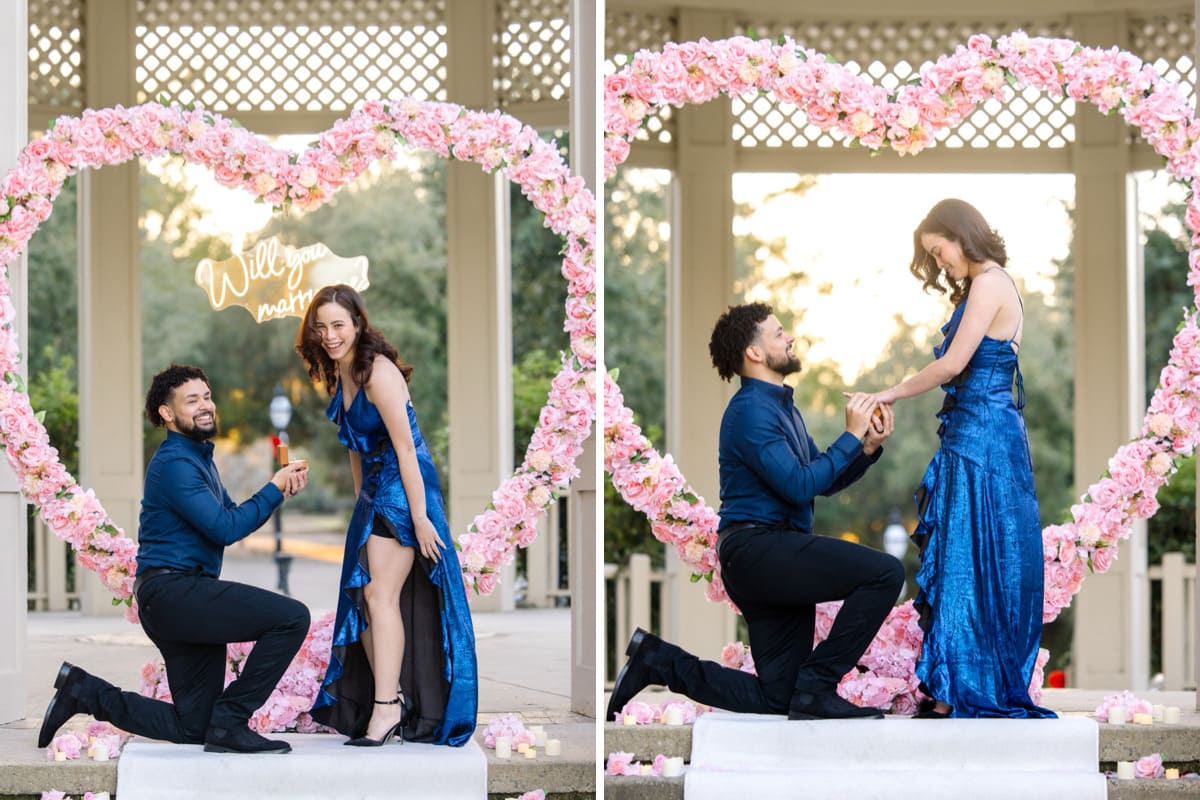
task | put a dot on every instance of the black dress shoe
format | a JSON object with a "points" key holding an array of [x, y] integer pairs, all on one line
{"points": [[828, 706], [927, 709], [242, 740], [635, 675], [63, 705]]}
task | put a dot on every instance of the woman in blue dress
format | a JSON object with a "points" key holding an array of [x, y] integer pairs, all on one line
{"points": [[981, 575], [403, 658]]}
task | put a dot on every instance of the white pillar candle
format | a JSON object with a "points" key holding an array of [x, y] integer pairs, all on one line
{"points": [[100, 751], [1116, 715], [1125, 770], [1158, 710], [630, 719], [100, 796], [59, 755], [553, 747], [531, 752], [647, 769], [1143, 718], [673, 716], [539, 737], [503, 747], [1171, 715], [673, 767]]}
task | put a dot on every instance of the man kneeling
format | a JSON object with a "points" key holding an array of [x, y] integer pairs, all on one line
{"points": [[187, 520], [773, 567]]}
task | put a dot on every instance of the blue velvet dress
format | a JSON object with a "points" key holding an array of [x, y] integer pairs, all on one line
{"points": [[981, 574], [439, 673]]}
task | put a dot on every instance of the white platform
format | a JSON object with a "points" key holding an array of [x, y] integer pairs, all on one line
{"points": [[319, 766], [748, 755]]}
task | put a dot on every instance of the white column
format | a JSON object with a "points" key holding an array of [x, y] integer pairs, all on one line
{"points": [[1195, 593], [699, 288], [1112, 641], [587, 160], [110, 315], [14, 134], [478, 297]]}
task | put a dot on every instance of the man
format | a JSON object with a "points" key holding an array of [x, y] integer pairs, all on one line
{"points": [[774, 568], [187, 520]]}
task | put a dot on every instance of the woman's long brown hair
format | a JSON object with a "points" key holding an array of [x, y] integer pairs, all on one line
{"points": [[368, 344], [960, 222]]}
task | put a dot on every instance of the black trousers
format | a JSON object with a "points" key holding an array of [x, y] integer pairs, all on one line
{"points": [[190, 618], [777, 576]]}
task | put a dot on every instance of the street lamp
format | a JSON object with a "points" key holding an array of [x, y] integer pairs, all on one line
{"points": [[895, 543], [280, 412]]}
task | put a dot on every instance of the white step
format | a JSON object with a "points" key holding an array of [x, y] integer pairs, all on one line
{"points": [[746, 755], [318, 768]]}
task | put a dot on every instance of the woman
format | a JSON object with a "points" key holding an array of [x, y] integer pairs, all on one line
{"points": [[403, 657], [980, 580]]}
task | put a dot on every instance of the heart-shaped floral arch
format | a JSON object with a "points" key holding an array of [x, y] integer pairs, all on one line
{"points": [[906, 120], [307, 179]]}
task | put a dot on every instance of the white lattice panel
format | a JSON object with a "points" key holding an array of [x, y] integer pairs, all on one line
{"points": [[891, 53], [312, 55], [56, 53], [626, 32], [1169, 43], [533, 51]]}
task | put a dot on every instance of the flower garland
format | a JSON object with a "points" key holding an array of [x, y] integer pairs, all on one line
{"points": [[835, 99], [306, 180]]}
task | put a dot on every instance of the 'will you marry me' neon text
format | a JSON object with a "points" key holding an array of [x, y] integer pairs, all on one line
{"points": [[275, 280]]}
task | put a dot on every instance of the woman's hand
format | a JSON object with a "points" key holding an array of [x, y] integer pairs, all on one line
{"points": [[430, 544]]}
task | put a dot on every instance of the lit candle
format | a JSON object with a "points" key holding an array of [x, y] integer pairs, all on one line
{"points": [[553, 747], [1116, 715], [1142, 718], [1125, 770], [523, 747], [100, 751], [647, 769], [503, 747], [673, 767], [1172, 774], [531, 752], [59, 755], [630, 719], [673, 715], [1171, 715]]}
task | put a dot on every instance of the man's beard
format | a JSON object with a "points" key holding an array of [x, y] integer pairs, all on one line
{"points": [[784, 366], [196, 433]]}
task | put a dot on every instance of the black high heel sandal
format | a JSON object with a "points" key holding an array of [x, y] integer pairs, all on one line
{"points": [[398, 728]]}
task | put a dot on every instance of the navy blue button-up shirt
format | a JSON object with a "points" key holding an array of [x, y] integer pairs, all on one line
{"points": [[187, 517], [771, 469]]}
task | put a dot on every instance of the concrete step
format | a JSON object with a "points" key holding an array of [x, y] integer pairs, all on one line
{"points": [[572, 776]]}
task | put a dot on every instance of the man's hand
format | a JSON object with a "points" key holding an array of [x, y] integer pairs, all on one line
{"points": [[858, 414], [292, 478], [883, 424]]}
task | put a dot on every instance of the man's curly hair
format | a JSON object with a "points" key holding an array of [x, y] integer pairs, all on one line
{"points": [[164, 385], [736, 330]]}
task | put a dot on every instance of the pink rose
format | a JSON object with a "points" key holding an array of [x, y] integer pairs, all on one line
{"points": [[1150, 766]]}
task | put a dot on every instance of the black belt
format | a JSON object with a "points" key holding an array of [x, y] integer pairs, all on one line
{"points": [[154, 572], [724, 534]]}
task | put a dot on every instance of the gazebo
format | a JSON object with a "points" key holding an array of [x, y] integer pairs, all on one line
{"points": [[293, 67], [704, 146]]}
